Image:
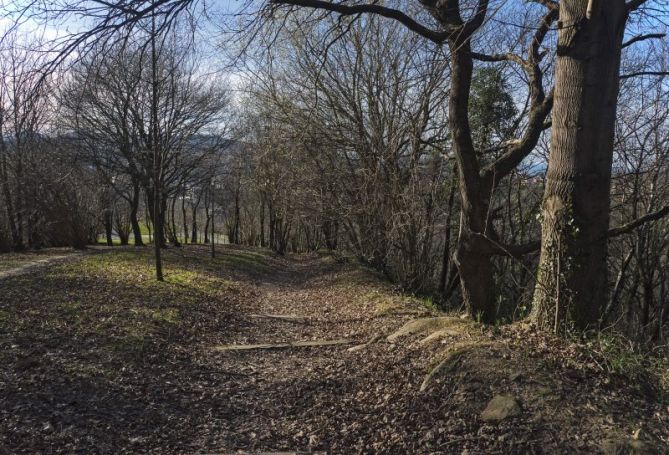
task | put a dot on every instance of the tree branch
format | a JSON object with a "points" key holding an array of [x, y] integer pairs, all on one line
{"points": [[633, 5], [550, 4], [540, 108], [629, 227], [436, 36], [644, 73], [477, 19], [509, 57], [517, 251], [532, 246], [638, 38]]}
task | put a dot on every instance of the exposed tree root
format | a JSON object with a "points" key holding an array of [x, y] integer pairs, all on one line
{"points": [[281, 317], [428, 326], [374, 339], [450, 361], [294, 344]]}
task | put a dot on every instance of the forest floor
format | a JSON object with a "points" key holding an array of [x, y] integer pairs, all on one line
{"points": [[252, 353]]}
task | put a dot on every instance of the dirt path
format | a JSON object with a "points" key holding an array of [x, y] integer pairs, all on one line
{"points": [[325, 397], [36, 264], [368, 399], [21, 264], [98, 358]]}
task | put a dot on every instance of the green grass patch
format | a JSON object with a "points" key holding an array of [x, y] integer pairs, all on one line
{"points": [[244, 261]]}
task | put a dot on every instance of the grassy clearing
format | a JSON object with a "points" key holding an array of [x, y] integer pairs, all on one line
{"points": [[113, 301], [250, 261]]}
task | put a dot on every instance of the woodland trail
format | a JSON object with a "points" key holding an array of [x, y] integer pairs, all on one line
{"points": [[98, 358], [30, 266], [29, 263]]}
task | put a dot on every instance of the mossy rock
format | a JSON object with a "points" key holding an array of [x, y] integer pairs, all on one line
{"points": [[501, 407]]}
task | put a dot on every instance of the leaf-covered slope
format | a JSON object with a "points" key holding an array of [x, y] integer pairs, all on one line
{"points": [[97, 357]]}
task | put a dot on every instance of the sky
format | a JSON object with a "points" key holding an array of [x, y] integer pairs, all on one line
{"points": [[213, 36]]}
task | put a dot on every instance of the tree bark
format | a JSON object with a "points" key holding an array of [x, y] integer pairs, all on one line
{"points": [[572, 279]]}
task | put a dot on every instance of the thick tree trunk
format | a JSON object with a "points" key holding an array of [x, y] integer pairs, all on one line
{"points": [[572, 280], [473, 256], [474, 263]]}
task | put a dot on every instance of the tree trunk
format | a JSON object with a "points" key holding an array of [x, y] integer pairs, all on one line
{"points": [[206, 218], [193, 234], [109, 221], [572, 280], [474, 263], [330, 232], [272, 226], [123, 234], [9, 203], [18, 203], [262, 224], [236, 235], [134, 208], [183, 216], [446, 257], [473, 255], [157, 160], [213, 227], [174, 233]]}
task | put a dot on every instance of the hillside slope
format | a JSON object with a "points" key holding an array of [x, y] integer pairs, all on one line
{"points": [[254, 353]]}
